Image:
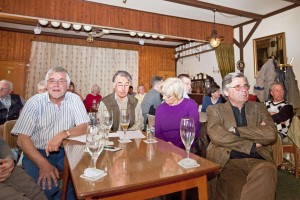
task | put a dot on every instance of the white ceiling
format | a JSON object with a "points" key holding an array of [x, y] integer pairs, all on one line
{"points": [[261, 7]]}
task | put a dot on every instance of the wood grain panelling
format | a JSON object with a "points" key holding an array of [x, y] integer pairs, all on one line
{"points": [[104, 15], [16, 47]]}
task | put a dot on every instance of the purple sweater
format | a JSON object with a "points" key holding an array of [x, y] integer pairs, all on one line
{"points": [[167, 121]]}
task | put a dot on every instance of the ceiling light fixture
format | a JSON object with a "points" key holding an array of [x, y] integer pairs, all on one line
{"points": [[77, 27], [55, 24], [65, 25], [215, 39], [87, 28], [43, 22]]}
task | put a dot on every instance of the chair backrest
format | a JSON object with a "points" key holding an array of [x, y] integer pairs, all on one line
{"points": [[151, 120], [7, 136]]}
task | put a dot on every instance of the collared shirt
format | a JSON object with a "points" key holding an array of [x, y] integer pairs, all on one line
{"points": [[185, 95], [41, 119], [138, 125]]}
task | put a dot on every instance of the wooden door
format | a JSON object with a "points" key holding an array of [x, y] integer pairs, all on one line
{"points": [[14, 72]]}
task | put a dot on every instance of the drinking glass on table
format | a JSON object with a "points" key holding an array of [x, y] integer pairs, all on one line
{"points": [[124, 122], [106, 121], [95, 141], [187, 134], [93, 118]]}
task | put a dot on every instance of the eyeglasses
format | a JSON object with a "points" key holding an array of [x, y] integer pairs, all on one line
{"points": [[4, 89], [123, 85], [240, 87], [60, 81]]}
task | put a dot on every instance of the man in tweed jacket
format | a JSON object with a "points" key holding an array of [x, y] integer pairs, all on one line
{"points": [[242, 134]]}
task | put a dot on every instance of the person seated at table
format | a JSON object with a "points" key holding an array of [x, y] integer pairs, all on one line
{"points": [[242, 135], [152, 99], [282, 112], [72, 89], [131, 92], [44, 122], [15, 183], [120, 99], [41, 87], [187, 84], [213, 97], [93, 99], [169, 113], [141, 93]]}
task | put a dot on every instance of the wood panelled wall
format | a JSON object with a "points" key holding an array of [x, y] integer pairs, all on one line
{"points": [[104, 15], [16, 47]]}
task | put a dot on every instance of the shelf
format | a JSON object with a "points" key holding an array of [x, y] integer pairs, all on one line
{"points": [[194, 54]]}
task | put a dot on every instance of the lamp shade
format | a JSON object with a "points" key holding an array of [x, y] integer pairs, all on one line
{"points": [[77, 27], [215, 41], [43, 22], [65, 25], [55, 24]]}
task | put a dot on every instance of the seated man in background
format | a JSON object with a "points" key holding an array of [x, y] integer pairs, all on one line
{"points": [[15, 183], [242, 134], [10, 104], [187, 84], [45, 121], [141, 93], [120, 99], [152, 99], [282, 112]]}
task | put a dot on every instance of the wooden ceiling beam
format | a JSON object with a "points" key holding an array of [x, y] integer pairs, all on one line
{"points": [[223, 9]]}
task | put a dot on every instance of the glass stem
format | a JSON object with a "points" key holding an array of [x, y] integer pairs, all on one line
{"points": [[94, 162], [187, 153], [124, 135]]}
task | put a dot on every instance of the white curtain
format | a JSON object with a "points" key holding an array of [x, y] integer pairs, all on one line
{"points": [[86, 65]]}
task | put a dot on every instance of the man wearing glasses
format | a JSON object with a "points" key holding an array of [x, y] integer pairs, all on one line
{"points": [[186, 80], [242, 134], [45, 121], [120, 99]]}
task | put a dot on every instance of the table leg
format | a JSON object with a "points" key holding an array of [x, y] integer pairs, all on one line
{"points": [[66, 179], [202, 188]]}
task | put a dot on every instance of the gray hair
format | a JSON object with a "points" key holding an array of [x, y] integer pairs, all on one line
{"points": [[41, 85], [275, 83], [95, 87], [58, 70], [123, 74], [173, 86], [10, 85], [228, 79], [155, 80]]}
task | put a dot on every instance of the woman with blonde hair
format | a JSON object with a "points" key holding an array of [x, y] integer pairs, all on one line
{"points": [[168, 115], [93, 98]]}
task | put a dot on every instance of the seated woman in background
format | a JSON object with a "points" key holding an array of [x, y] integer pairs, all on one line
{"points": [[93, 98], [168, 115], [72, 89], [213, 97]]}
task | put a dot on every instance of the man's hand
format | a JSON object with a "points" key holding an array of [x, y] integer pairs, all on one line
{"points": [[48, 172], [54, 143], [6, 167]]}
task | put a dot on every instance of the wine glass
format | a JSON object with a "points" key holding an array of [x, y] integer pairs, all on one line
{"points": [[124, 122], [187, 134], [95, 141], [93, 118], [106, 121]]}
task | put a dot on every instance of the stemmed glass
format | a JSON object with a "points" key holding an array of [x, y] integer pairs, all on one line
{"points": [[93, 118], [124, 122], [106, 121], [95, 141], [187, 134]]}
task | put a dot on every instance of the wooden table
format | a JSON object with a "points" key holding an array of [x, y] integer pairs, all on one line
{"points": [[138, 171]]}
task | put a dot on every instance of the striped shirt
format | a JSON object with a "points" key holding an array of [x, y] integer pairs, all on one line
{"points": [[41, 119]]}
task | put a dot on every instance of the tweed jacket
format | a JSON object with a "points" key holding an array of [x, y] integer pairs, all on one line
{"points": [[220, 118]]}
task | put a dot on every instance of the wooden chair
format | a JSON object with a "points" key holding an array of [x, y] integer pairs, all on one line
{"points": [[292, 148], [293, 139], [9, 138]]}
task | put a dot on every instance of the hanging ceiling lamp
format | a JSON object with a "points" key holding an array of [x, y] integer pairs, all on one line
{"points": [[215, 39]]}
